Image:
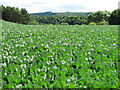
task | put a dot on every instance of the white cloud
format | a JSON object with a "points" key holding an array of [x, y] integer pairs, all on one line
{"points": [[63, 5]]}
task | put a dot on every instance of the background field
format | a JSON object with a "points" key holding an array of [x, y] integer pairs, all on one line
{"points": [[59, 56]]}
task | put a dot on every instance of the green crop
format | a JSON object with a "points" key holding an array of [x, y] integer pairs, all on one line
{"points": [[59, 56]]}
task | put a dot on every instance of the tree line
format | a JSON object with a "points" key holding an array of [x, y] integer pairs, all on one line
{"points": [[63, 20], [21, 16], [16, 15]]}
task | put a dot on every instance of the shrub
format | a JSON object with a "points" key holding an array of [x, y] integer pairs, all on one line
{"points": [[102, 23], [34, 22], [64, 24], [92, 23]]}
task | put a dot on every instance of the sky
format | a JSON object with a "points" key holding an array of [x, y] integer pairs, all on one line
{"points": [[35, 6]]}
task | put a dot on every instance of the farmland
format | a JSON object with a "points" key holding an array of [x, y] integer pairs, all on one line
{"points": [[59, 56]]}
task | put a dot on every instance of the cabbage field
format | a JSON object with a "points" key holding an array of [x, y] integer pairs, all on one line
{"points": [[59, 56]]}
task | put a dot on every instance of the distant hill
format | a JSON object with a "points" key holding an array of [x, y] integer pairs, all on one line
{"points": [[62, 13]]}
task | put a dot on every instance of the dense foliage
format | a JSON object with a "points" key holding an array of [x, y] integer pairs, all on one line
{"points": [[59, 56], [115, 17], [98, 16], [71, 20], [13, 14]]}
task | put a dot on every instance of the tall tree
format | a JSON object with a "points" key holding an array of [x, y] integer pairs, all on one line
{"points": [[13, 14], [25, 16], [98, 16], [114, 19]]}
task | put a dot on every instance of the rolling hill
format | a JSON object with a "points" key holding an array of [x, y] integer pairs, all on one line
{"points": [[62, 13]]}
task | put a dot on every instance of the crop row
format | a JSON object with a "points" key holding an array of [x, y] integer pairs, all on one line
{"points": [[59, 56]]}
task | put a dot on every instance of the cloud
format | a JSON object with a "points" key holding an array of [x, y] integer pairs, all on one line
{"points": [[119, 4], [72, 7], [33, 6]]}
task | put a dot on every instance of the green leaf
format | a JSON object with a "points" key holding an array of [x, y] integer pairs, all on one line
{"points": [[17, 79], [63, 84], [30, 85], [71, 85], [11, 85], [44, 84], [57, 85]]}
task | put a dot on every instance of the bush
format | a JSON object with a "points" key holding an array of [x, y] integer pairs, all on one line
{"points": [[102, 23], [34, 22], [92, 23], [64, 24]]}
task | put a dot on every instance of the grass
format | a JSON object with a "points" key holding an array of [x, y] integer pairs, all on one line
{"points": [[59, 56]]}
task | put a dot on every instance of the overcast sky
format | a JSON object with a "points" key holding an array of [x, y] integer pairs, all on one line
{"points": [[34, 6]]}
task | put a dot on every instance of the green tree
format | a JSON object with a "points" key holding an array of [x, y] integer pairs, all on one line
{"points": [[73, 20], [25, 16], [98, 16], [13, 14], [114, 18], [6, 13]]}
